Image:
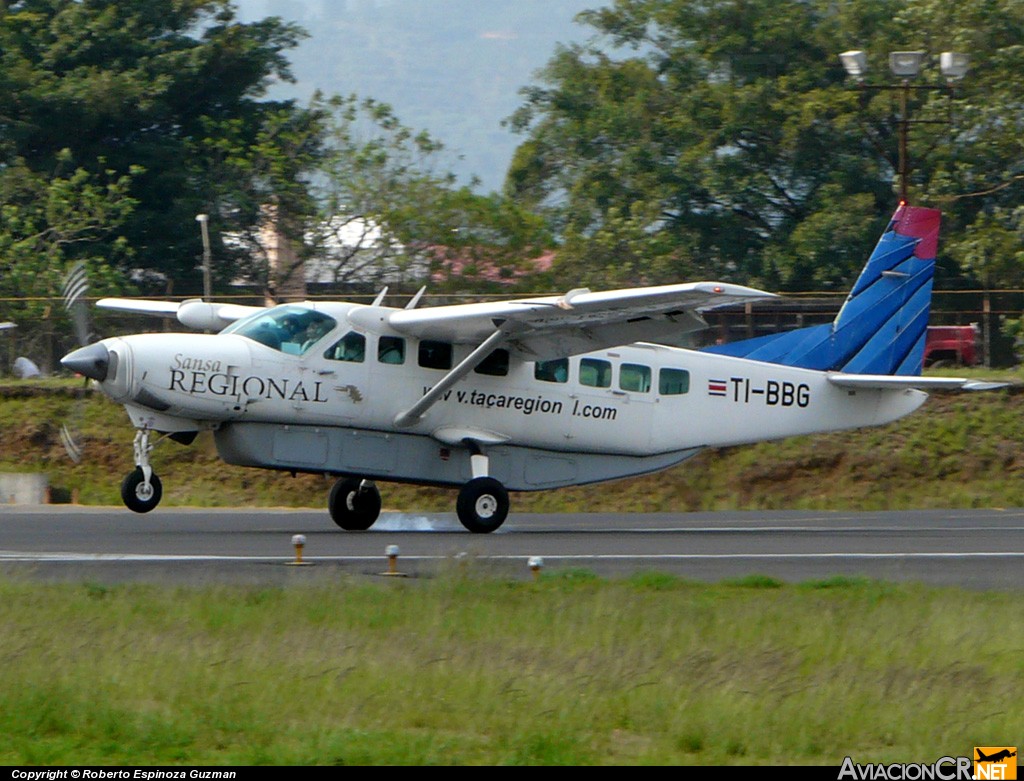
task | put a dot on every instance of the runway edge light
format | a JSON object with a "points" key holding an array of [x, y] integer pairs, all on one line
{"points": [[299, 542], [391, 551], [536, 564]]}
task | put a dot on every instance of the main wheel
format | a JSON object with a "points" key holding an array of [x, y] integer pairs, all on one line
{"points": [[482, 505], [353, 507], [136, 495]]}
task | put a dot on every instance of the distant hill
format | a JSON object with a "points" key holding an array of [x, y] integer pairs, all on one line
{"points": [[451, 67]]}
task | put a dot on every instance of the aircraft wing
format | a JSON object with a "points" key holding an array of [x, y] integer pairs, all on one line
{"points": [[894, 382], [577, 322], [193, 313], [554, 326]]}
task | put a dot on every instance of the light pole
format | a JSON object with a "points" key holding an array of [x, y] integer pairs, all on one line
{"points": [[203, 219], [906, 66]]}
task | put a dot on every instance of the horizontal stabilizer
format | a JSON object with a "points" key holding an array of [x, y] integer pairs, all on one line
{"points": [[894, 382]]}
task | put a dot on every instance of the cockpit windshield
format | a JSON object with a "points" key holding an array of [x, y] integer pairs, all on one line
{"points": [[289, 328]]}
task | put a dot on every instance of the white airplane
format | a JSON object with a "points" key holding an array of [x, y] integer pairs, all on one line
{"points": [[520, 395]]}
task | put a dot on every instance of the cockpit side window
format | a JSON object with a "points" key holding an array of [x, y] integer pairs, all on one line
{"points": [[391, 349], [289, 328], [351, 347]]}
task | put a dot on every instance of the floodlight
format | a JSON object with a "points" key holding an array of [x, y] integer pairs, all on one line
{"points": [[905, 65], [954, 65], [855, 62]]}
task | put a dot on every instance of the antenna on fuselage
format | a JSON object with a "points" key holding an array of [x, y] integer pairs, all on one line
{"points": [[415, 300], [380, 296]]}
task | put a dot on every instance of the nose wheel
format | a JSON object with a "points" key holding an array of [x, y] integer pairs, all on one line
{"points": [[138, 494], [141, 489]]}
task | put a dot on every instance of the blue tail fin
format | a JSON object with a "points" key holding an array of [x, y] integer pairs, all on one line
{"points": [[882, 325]]}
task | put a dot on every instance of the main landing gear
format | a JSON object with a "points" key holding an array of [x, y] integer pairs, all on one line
{"points": [[354, 504], [482, 505], [141, 489]]}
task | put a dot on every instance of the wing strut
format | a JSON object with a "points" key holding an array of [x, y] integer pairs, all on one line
{"points": [[470, 362]]}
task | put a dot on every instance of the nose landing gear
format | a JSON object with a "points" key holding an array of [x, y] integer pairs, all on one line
{"points": [[141, 489], [138, 494]]}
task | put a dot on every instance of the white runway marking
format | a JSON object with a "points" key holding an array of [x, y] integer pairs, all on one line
{"points": [[43, 556]]}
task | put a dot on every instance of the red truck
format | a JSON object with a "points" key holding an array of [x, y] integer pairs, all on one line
{"points": [[952, 344]]}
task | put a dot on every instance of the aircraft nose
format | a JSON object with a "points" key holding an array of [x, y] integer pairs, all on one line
{"points": [[92, 361]]}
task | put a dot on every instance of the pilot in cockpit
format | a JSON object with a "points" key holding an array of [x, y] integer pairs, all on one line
{"points": [[315, 331]]}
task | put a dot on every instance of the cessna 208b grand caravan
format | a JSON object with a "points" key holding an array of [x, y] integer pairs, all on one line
{"points": [[519, 395]]}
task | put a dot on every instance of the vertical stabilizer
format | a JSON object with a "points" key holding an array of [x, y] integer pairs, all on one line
{"points": [[882, 325]]}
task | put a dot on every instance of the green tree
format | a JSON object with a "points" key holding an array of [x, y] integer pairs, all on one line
{"points": [[136, 86], [694, 139], [391, 211], [255, 183], [48, 223]]}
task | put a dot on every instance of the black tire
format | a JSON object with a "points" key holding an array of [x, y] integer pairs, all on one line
{"points": [[134, 497], [482, 505], [352, 508]]}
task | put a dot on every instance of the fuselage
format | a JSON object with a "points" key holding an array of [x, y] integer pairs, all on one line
{"points": [[635, 400]]}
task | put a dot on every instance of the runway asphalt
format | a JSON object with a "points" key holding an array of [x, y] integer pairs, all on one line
{"points": [[977, 549]]}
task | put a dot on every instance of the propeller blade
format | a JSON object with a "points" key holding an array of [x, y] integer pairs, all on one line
{"points": [[70, 442], [91, 359], [76, 286]]}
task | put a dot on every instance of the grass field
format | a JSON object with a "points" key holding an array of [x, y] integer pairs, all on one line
{"points": [[464, 670], [461, 669]]}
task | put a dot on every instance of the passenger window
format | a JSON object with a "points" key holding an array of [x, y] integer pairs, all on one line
{"points": [[634, 377], [494, 365], [595, 373], [351, 347], [673, 382], [435, 355], [391, 349], [552, 371]]}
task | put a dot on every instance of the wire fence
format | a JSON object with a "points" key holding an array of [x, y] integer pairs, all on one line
{"points": [[44, 332]]}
